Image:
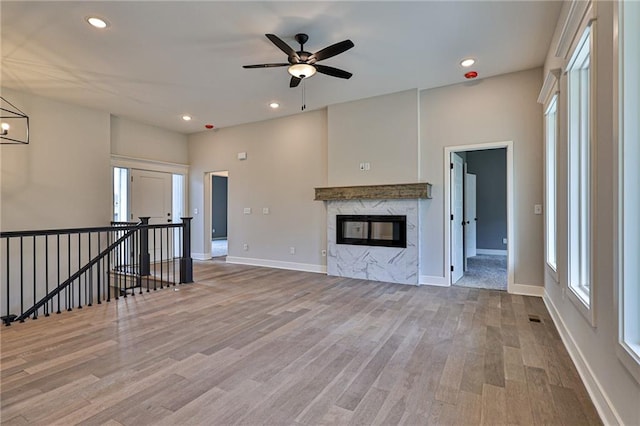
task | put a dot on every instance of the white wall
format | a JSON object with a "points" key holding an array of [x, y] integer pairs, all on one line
{"points": [[614, 390], [286, 160], [382, 131], [62, 178], [137, 140], [495, 109]]}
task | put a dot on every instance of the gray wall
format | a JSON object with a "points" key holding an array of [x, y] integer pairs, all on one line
{"points": [[491, 110], [280, 172], [490, 168], [219, 206]]}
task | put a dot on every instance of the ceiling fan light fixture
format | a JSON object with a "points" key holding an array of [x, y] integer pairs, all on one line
{"points": [[302, 70]]}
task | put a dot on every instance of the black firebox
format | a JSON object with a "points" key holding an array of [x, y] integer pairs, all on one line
{"points": [[372, 230]]}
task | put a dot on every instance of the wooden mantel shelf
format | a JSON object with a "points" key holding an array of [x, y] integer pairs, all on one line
{"points": [[375, 192]]}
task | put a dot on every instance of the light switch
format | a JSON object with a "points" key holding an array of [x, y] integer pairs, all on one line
{"points": [[247, 210], [265, 210], [537, 209], [242, 156]]}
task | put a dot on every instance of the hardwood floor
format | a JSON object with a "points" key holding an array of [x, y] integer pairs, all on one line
{"points": [[248, 345]]}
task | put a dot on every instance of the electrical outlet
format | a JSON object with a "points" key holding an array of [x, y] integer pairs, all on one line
{"points": [[504, 241], [537, 209], [245, 247], [247, 210], [367, 166], [292, 250], [265, 210]]}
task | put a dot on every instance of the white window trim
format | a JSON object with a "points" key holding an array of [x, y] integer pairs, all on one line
{"points": [[627, 355], [554, 98], [588, 22]]}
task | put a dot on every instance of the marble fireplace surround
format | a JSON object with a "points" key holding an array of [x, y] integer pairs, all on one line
{"points": [[388, 264]]}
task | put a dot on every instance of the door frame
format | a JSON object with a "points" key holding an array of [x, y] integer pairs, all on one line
{"points": [[448, 150], [154, 166], [207, 210]]}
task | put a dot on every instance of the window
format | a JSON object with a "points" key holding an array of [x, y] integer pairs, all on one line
{"points": [[551, 128], [120, 194], [579, 126], [628, 178]]}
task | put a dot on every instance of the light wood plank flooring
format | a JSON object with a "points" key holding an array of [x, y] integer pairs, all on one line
{"points": [[248, 345]]}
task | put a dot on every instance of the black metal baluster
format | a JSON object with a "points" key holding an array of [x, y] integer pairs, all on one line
{"points": [[8, 321], [58, 246], [109, 269], [79, 266], [35, 314], [173, 255], [155, 276], [46, 273], [161, 259], [21, 278], [99, 272], [89, 294], [180, 231], [136, 255], [69, 289]]}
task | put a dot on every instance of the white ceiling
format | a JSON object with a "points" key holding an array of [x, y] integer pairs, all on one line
{"points": [[160, 60]]}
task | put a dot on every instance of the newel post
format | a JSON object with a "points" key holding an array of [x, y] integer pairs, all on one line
{"points": [[186, 263], [145, 258]]}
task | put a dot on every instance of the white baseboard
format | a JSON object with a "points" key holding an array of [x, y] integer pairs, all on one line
{"points": [[201, 256], [435, 281], [527, 290], [492, 252], [601, 401], [305, 267]]}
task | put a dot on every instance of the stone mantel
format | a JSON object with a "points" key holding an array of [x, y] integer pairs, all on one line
{"points": [[404, 191]]}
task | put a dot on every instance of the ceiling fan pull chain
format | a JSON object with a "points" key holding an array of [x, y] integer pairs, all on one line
{"points": [[304, 105]]}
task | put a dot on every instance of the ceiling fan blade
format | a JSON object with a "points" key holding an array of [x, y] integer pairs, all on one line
{"points": [[282, 45], [333, 50], [266, 65], [294, 81], [333, 72]]}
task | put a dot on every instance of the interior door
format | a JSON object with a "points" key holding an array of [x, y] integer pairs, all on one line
{"points": [[457, 217], [151, 197], [470, 218]]}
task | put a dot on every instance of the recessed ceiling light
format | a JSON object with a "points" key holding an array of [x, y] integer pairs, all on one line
{"points": [[186, 117], [97, 22], [467, 62], [274, 105]]}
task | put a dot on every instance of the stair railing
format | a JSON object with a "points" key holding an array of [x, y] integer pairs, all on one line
{"points": [[54, 270]]}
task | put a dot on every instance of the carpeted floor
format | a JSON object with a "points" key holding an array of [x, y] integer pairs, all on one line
{"points": [[485, 271], [219, 248]]}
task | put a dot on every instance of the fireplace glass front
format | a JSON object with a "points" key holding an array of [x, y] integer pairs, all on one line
{"points": [[372, 230]]}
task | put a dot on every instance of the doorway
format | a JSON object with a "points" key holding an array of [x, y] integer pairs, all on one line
{"points": [[219, 214], [478, 189], [159, 195]]}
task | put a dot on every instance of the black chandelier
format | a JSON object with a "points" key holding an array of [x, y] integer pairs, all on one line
{"points": [[14, 124]]}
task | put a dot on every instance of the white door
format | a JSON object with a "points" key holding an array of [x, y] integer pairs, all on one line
{"points": [[470, 215], [457, 217], [151, 197]]}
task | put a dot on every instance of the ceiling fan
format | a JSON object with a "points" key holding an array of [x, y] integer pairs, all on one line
{"points": [[304, 64]]}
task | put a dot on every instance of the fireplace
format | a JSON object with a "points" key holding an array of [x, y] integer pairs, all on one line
{"points": [[372, 230]]}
